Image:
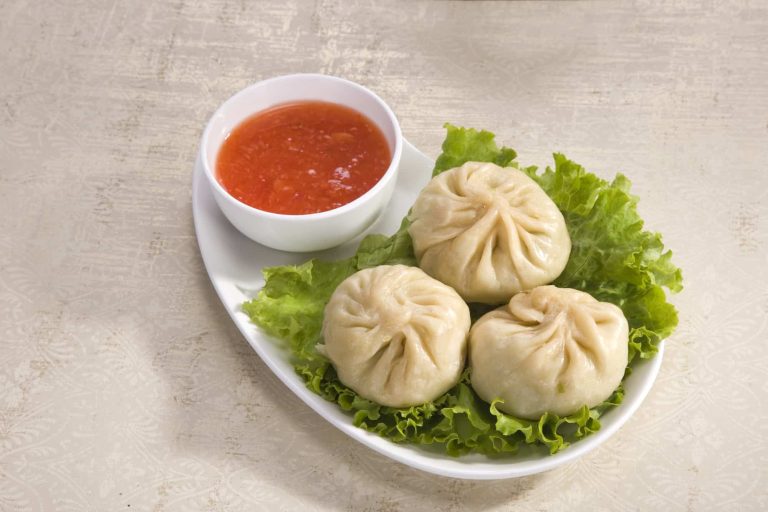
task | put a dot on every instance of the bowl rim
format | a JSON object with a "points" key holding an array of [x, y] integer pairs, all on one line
{"points": [[388, 175]]}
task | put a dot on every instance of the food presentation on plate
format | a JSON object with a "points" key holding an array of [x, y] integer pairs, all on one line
{"points": [[503, 316], [572, 339]]}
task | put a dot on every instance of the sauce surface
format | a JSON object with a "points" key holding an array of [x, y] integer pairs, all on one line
{"points": [[303, 157]]}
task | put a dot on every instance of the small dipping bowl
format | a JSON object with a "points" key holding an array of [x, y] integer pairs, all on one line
{"points": [[314, 231]]}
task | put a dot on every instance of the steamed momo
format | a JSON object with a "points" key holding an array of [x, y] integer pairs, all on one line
{"points": [[395, 335], [549, 350], [489, 232]]}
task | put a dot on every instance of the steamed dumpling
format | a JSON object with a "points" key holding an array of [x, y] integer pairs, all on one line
{"points": [[395, 335], [549, 350], [489, 232]]}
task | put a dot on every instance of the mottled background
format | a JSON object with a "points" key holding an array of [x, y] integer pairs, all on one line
{"points": [[123, 383]]}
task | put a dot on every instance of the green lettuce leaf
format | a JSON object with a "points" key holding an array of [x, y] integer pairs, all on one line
{"points": [[612, 258], [463, 145]]}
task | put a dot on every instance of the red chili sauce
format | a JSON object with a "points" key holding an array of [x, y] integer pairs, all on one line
{"points": [[303, 157]]}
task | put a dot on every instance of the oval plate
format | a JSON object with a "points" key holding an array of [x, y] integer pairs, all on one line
{"points": [[234, 264]]}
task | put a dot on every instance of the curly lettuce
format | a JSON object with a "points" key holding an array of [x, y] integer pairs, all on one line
{"points": [[612, 258]]}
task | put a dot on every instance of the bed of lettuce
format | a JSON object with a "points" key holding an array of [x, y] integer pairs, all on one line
{"points": [[612, 258]]}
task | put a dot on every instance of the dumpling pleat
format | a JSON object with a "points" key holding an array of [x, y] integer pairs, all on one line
{"points": [[549, 350], [395, 335], [488, 232]]}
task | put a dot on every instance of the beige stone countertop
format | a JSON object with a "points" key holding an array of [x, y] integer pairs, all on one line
{"points": [[124, 385]]}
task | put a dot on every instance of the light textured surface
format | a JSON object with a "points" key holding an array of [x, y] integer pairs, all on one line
{"points": [[123, 382]]}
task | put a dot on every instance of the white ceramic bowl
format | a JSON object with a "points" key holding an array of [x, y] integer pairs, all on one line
{"points": [[316, 231]]}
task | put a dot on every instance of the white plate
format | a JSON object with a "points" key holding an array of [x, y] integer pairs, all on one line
{"points": [[234, 265]]}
